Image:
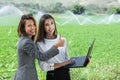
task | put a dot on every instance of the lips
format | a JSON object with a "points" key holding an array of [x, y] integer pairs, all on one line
{"points": [[32, 31], [51, 30]]}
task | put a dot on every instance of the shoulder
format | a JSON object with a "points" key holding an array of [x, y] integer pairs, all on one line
{"points": [[27, 40], [24, 41], [39, 43]]}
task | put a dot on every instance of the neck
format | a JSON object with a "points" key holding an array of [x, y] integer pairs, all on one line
{"points": [[30, 37], [50, 36]]}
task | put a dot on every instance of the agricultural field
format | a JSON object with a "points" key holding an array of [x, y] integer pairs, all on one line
{"points": [[105, 61]]}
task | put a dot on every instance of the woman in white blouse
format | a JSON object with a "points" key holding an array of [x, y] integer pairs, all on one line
{"points": [[47, 37]]}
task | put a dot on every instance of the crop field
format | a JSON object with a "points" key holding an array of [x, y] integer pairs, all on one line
{"points": [[105, 61]]}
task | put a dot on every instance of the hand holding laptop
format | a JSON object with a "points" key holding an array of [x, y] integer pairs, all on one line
{"points": [[82, 61], [88, 61], [68, 62]]}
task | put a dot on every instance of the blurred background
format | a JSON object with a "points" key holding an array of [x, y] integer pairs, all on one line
{"points": [[79, 21], [82, 11]]}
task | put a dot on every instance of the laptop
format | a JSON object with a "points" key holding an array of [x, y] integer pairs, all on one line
{"points": [[83, 60]]}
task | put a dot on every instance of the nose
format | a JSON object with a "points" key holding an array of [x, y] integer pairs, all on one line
{"points": [[50, 27], [33, 26]]}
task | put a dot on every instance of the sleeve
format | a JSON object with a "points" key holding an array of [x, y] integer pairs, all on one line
{"points": [[46, 66], [66, 50], [66, 53], [32, 50]]}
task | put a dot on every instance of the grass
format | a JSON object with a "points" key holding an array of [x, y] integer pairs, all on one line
{"points": [[104, 65], [105, 57]]}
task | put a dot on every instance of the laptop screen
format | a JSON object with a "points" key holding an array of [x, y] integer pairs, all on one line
{"points": [[90, 48]]}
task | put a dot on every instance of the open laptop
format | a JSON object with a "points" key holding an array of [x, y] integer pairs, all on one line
{"points": [[83, 60]]}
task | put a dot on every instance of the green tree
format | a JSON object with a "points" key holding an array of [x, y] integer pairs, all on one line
{"points": [[59, 8], [115, 10], [78, 9], [55, 8]]}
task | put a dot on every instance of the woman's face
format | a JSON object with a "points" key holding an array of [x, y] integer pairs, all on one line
{"points": [[30, 28], [49, 27]]}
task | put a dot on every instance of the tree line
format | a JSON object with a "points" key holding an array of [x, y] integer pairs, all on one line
{"points": [[58, 7]]}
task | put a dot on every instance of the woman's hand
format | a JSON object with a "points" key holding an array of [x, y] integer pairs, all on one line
{"points": [[68, 62], [60, 42], [88, 61]]}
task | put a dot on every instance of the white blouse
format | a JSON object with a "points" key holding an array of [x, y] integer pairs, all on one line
{"points": [[62, 56]]}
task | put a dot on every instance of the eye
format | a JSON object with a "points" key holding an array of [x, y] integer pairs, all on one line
{"points": [[34, 24], [52, 23], [29, 25], [47, 24]]}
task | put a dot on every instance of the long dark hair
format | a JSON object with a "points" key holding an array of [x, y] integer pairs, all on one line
{"points": [[21, 27], [41, 31]]}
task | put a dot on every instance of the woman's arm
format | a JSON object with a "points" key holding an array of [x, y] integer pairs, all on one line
{"points": [[58, 65], [52, 66], [31, 49]]}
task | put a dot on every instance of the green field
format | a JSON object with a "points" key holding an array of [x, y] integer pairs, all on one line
{"points": [[105, 62]]}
